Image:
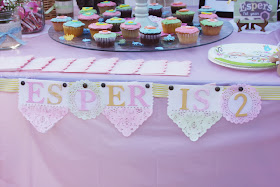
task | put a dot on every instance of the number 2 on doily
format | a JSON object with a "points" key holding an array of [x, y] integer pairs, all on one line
{"points": [[242, 106]]}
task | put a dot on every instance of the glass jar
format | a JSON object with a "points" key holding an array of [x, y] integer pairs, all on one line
{"points": [[10, 30], [32, 16], [64, 8]]}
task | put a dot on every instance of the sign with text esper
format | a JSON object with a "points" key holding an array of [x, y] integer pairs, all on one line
{"points": [[255, 11]]}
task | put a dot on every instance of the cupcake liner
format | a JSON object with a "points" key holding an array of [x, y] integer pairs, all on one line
{"points": [[103, 9], [211, 31], [76, 31], [186, 38], [155, 12], [149, 39], [170, 28], [58, 26], [175, 8], [185, 18], [130, 33], [105, 42]]}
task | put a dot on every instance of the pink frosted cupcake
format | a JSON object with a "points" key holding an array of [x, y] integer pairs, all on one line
{"points": [[187, 34], [88, 18], [106, 5], [110, 14], [207, 15], [99, 26], [130, 29], [177, 6]]}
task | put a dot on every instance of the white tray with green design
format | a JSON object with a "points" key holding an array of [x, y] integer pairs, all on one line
{"points": [[244, 56]]}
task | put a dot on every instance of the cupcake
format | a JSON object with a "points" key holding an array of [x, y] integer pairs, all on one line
{"points": [[206, 9], [125, 10], [116, 22], [73, 27], [177, 6], [106, 5], [185, 15], [207, 15], [59, 21], [170, 24], [150, 35], [211, 27], [130, 29], [187, 34], [110, 14], [87, 9], [99, 26], [88, 18], [155, 9], [105, 38]]}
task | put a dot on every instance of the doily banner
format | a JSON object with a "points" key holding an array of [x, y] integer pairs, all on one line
{"points": [[195, 109], [86, 99], [43, 103], [241, 103], [128, 105]]}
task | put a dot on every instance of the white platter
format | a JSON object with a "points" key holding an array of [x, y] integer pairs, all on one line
{"points": [[243, 56]]}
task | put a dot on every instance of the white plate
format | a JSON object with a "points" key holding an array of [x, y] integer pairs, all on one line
{"points": [[244, 56]]}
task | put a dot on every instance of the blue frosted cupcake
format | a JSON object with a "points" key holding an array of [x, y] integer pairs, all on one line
{"points": [[116, 22], [150, 35], [73, 27], [206, 9], [125, 10], [59, 21], [155, 9]]}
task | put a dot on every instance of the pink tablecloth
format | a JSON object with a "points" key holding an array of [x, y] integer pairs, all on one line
{"points": [[94, 154]]}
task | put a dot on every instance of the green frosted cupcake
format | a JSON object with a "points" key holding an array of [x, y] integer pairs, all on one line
{"points": [[211, 27], [88, 10], [126, 10], [105, 38], [116, 22], [170, 24], [185, 15]]}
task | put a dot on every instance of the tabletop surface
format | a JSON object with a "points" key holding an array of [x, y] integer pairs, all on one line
{"points": [[202, 72]]}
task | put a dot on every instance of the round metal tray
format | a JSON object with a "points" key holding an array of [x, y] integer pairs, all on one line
{"points": [[227, 29]]}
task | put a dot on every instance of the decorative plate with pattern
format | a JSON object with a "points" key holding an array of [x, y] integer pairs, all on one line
{"points": [[244, 56]]}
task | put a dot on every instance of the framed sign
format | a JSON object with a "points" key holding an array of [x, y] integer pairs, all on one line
{"points": [[255, 11], [221, 6]]}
